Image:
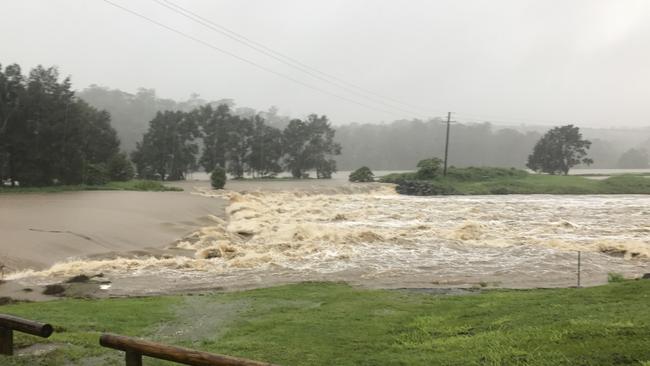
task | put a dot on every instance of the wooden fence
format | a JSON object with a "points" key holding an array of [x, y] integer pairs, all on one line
{"points": [[9, 323], [134, 348]]}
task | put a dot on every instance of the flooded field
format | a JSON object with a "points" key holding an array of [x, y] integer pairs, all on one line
{"points": [[368, 235]]}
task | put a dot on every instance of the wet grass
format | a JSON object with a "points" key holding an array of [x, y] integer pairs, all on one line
{"points": [[334, 324], [554, 184], [532, 184], [132, 185]]}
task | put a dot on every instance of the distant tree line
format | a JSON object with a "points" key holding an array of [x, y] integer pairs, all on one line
{"points": [[240, 145], [131, 112], [389, 146], [397, 145], [49, 136]]}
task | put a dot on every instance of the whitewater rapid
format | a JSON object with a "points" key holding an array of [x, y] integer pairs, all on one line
{"points": [[378, 238]]}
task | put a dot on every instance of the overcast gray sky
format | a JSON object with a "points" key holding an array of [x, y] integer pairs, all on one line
{"points": [[537, 62]]}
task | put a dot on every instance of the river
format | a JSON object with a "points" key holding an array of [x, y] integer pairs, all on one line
{"points": [[366, 234]]}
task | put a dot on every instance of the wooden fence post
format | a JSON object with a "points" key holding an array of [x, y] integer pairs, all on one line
{"points": [[6, 341], [9, 323], [133, 358]]}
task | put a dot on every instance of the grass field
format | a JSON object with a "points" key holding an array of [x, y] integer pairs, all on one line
{"points": [[132, 185], [334, 324], [555, 184], [497, 181]]}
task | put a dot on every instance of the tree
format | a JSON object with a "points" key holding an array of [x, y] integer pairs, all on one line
{"points": [[12, 90], [214, 123], [309, 144], [428, 168], [218, 178], [119, 168], [559, 150], [47, 135], [634, 159], [363, 174], [238, 145], [167, 151], [266, 149]]}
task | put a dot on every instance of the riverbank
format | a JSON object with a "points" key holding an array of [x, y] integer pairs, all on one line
{"points": [[132, 185], [335, 324], [521, 184]]}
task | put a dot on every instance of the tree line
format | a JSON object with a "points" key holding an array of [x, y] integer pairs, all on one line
{"points": [[48, 136], [240, 145], [398, 145], [388, 146], [131, 112]]}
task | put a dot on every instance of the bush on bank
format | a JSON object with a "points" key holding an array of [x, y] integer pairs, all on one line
{"points": [[363, 174], [218, 178]]}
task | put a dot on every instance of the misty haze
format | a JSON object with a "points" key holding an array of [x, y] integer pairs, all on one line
{"points": [[324, 182]]}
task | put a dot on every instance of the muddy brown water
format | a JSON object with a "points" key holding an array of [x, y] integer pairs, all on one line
{"points": [[264, 233]]}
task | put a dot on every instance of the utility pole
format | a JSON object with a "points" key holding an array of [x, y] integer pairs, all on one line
{"points": [[444, 172], [578, 269]]}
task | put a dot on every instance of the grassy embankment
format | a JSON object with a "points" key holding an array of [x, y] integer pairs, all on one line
{"points": [[334, 324], [475, 181], [132, 185]]}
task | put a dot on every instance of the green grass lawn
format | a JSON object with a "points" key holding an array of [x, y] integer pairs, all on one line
{"points": [[335, 324], [132, 185], [481, 181], [557, 184]]}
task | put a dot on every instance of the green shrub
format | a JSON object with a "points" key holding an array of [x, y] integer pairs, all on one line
{"points": [[425, 188], [151, 185], [615, 277], [120, 168], [95, 174], [363, 174], [499, 190], [218, 178], [428, 168], [631, 184], [397, 177]]}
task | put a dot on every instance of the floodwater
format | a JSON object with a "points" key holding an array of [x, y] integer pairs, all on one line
{"points": [[279, 232], [39, 230]]}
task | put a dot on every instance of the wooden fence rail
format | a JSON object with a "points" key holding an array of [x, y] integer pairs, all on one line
{"points": [[9, 323], [136, 348]]}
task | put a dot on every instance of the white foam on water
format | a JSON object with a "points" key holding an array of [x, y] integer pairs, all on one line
{"points": [[376, 232]]}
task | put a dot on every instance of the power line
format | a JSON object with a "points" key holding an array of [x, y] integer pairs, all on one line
{"points": [[264, 68], [287, 60], [295, 64]]}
